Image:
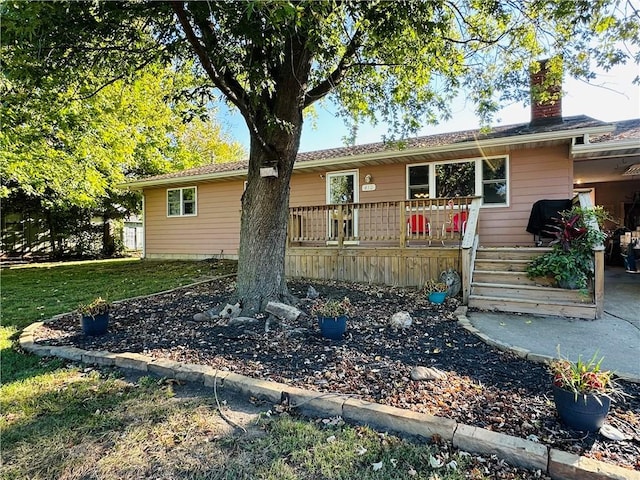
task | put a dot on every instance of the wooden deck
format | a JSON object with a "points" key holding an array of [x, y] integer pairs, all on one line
{"points": [[404, 267]]}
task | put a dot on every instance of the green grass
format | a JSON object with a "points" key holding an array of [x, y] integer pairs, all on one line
{"points": [[69, 424], [63, 421], [39, 291]]}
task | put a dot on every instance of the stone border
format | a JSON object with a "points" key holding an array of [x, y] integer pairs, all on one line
{"points": [[463, 321], [558, 464]]}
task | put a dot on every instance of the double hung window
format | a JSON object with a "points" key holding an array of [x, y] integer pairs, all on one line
{"points": [[181, 202]]}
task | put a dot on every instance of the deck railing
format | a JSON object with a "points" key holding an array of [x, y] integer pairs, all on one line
{"points": [[423, 222]]}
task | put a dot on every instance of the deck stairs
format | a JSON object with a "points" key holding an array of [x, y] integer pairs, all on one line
{"points": [[500, 283]]}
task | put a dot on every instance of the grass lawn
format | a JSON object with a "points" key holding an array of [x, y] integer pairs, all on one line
{"points": [[64, 421]]}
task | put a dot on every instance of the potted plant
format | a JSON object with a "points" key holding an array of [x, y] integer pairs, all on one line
{"points": [[332, 316], [94, 316], [582, 392], [570, 262], [436, 291]]}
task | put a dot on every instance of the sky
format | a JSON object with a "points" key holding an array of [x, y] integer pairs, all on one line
{"points": [[610, 97]]}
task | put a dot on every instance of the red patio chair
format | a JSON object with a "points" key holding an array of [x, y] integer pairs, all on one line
{"points": [[458, 223], [418, 224]]}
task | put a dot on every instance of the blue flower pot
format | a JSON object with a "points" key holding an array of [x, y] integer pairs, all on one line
{"points": [[96, 325], [333, 327], [587, 412], [437, 297]]}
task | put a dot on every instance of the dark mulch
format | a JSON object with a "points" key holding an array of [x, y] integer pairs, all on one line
{"points": [[485, 387]]}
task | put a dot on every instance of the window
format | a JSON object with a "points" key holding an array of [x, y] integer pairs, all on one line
{"points": [[494, 181], [455, 179], [181, 202], [485, 177], [419, 181]]}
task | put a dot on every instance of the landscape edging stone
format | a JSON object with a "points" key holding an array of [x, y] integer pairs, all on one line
{"points": [[568, 466], [466, 437], [520, 452]]}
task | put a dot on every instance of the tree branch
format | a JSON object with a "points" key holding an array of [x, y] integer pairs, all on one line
{"points": [[324, 87], [224, 81]]}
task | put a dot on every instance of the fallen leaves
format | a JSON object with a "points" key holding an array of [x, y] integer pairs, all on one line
{"points": [[483, 387]]}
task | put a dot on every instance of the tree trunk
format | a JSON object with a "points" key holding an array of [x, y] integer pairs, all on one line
{"points": [[275, 126], [265, 210], [263, 235]]}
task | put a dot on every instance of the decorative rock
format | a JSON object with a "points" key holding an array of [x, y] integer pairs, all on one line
{"points": [[238, 321], [230, 311], [283, 311], [400, 320], [612, 433], [204, 316], [427, 373], [312, 293]]}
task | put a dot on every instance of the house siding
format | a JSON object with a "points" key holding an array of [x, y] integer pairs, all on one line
{"points": [[214, 231], [535, 174]]}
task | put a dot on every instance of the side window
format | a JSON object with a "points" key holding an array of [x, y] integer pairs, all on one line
{"points": [[181, 202], [494, 181]]}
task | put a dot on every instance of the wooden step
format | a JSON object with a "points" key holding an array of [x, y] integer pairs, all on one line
{"points": [[530, 292], [511, 278], [510, 253], [547, 307], [501, 265]]}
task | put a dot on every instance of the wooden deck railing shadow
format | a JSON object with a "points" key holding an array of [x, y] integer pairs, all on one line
{"points": [[407, 223]]}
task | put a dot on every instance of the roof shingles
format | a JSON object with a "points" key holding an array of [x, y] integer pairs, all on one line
{"points": [[442, 139]]}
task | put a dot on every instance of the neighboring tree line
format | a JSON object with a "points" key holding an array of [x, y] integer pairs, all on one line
{"points": [[64, 151]]}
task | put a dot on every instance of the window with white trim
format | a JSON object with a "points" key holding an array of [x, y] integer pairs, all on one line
{"points": [[181, 202], [484, 177]]}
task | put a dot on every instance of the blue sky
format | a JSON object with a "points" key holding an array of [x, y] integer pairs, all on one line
{"points": [[611, 97]]}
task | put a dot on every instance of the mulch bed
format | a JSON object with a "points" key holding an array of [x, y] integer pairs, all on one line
{"points": [[485, 387]]}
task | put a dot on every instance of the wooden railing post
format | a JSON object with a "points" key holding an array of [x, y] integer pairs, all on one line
{"points": [[340, 226], [403, 224], [598, 281]]}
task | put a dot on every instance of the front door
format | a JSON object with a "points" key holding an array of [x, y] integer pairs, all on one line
{"points": [[342, 189]]}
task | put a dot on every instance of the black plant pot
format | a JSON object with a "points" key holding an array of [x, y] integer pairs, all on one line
{"points": [[95, 325], [587, 412], [333, 327]]}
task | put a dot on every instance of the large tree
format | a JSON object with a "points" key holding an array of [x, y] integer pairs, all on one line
{"points": [[400, 62]]}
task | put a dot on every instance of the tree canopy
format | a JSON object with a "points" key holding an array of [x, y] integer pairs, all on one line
{"points": [[400, 62], [64, 154]]}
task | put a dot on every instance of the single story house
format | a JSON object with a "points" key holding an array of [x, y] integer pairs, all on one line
{"points": [[402, 214]]}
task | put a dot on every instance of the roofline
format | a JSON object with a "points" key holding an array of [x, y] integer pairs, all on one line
{"points": [[605, 147], [454, 147], [137, 184], [487, 143]]}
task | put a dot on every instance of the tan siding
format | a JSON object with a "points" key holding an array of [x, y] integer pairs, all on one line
{"points": [[214, 231], [535, 174]]}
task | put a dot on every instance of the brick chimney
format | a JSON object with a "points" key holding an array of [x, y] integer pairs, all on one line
{"points": [[546, 92]]}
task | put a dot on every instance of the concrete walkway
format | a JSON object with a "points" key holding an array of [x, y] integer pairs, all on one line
{"points": [[616, 336]]}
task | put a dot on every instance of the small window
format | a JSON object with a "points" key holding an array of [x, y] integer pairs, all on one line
{"points": [[181, 202], [494, 181], [419, 181]]}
